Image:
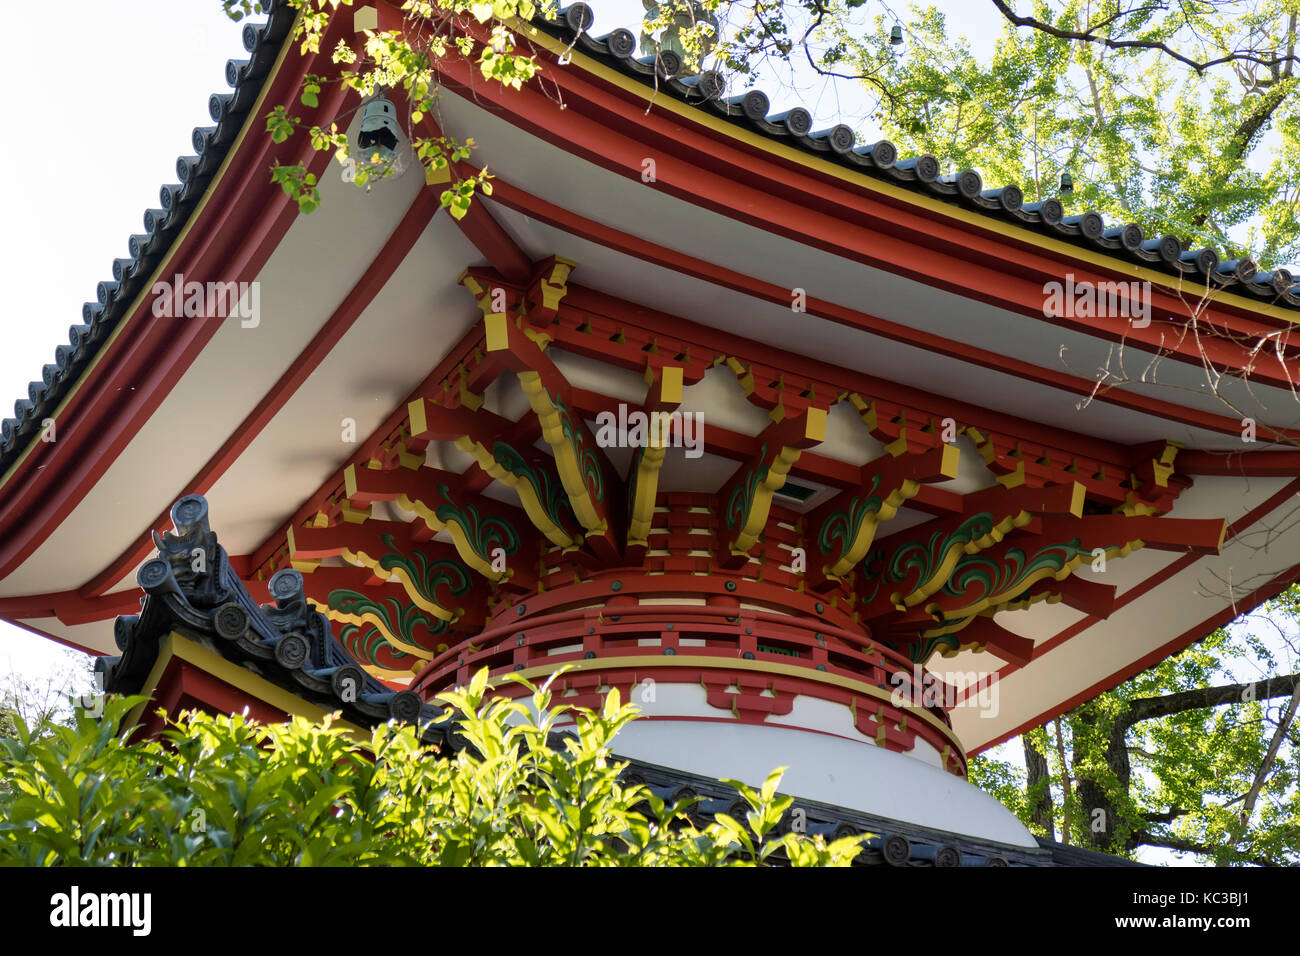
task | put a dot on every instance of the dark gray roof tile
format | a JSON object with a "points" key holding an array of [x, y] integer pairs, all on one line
{"points": [[923, 173], [218, 103], [922, 169], [1128, 237]]}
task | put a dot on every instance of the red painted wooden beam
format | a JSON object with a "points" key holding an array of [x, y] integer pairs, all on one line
{"points": [[71, 607], [1194, 535], [1265, 463], [489, 238], [606, 127], [1008, 646], [1090, 597]]}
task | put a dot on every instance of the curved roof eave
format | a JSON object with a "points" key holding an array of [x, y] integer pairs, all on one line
{"points": [[750, 111], [162, 227]]}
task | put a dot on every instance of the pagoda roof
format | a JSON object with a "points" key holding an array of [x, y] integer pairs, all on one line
{"points": [[924, 305], [749, 110]]}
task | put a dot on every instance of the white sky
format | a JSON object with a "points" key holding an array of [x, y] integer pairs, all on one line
{"points": [[93, 132]]}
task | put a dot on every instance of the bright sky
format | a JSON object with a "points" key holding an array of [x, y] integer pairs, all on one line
{"points": [[92, 136]]}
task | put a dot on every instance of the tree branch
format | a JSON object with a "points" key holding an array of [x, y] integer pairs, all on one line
{"points": [[1147, 708], [1187, 846], [1169, 816], [1252, 124], [1089, 36], [1266, 767]]}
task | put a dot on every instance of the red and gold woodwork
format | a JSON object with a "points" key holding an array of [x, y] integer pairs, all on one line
{"points": [[540, 552]]}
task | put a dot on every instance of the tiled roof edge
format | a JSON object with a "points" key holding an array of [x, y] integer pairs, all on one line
{"points": [[891, 842], [706, 91], [921, 174], [287, 642], [229, 111], [1064, 854]]}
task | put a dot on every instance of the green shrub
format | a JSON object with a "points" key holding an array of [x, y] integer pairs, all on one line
{"points": [[227, 791]]}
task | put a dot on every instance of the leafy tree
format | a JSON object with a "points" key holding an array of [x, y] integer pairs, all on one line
{"points": [[1171, 759], [37, 703], [407, 62], [1143, 137], [43, 699], [1158, 111], [227, 791]]}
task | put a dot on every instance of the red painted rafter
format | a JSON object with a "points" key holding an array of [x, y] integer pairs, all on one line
{"points": [[579, 292], [983, 632], [480, 227], [70, 607], [1265, 463]]}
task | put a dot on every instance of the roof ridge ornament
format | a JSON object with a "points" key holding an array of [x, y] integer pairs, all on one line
{"points": [[191, 586]]}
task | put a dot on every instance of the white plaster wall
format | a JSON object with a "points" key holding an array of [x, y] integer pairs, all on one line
{"points": [[828, 760], [859, 776]]}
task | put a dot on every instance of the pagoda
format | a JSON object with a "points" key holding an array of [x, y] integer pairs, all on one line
{"points": [[798, 443]]}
